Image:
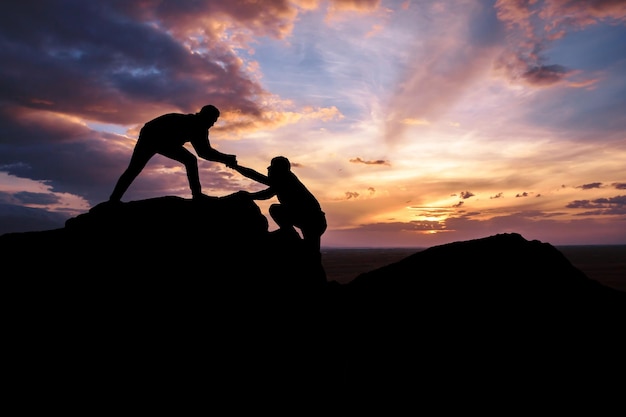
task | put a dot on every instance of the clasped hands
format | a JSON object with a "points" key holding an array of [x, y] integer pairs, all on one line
{"points": [[230, 161]]}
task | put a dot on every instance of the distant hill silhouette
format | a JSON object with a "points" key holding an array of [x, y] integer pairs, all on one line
{"points": [[168, 298]]}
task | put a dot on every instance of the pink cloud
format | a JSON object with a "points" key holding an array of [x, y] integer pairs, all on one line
{"points": [[580, 14], [534, 24]]}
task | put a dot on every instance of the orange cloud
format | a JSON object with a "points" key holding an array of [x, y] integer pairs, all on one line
{"points": [[355, 5], [238, 122]]}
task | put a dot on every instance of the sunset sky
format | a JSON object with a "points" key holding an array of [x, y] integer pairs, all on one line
{"points": [[414, 123]]}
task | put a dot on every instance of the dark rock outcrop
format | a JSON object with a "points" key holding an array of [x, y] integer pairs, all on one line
{"points": [[158, 299]]}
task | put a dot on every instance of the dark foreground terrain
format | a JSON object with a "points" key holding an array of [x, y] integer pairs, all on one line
{"points": [[172, 305]]}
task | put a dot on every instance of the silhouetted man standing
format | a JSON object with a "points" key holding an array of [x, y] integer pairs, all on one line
{"points": [[166, 135]]}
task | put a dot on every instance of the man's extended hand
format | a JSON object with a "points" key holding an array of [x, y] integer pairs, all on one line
{"points": [[230, 161]]}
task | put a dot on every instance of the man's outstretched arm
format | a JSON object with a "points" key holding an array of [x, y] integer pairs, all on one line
{"points": [[252, 174], [205, 151], [263, 194]]}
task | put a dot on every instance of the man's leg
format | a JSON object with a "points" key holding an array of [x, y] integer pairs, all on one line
{"points": [[312, 233], [190, 162], [280, 216], [138, 161]]}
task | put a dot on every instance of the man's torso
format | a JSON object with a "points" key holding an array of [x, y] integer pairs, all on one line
{"points": [[174, 129]]}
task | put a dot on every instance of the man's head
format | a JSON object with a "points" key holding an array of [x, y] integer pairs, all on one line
{"points": [[279, 164], [209, 114]]}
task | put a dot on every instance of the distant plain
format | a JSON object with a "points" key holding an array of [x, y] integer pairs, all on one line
{"points": [[603, 263]]}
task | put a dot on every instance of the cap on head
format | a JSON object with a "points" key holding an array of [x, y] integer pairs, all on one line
{"points": [[280, 163], [209, 112]]}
